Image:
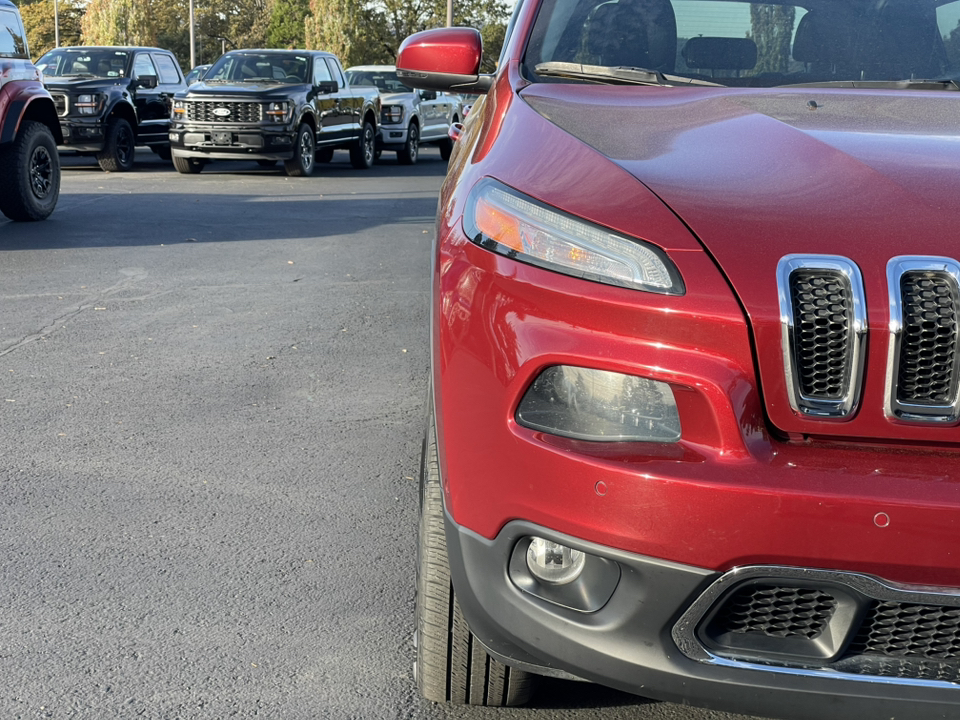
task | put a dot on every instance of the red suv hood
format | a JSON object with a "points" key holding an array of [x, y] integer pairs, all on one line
{"points": [[759, 174]]}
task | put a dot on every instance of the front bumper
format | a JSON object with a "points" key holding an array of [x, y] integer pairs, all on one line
{"points": [[225, 142], [644, 639], [393, 137], [82, 135]]}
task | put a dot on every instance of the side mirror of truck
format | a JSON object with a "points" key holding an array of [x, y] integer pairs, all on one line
{"points": [[445, 59], [327, 87], [148, 82]]}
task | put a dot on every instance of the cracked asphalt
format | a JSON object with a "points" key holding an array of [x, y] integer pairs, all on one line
{"points": [[211, 399]]}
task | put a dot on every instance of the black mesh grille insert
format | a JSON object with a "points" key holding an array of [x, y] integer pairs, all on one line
{"points": [[897, 629], [775, 612], [928, 363], [224, 111], [822, 312]]}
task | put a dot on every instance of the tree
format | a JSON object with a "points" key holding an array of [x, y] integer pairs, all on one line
{"points": [[287, 28], [371, 32], [38, 21], [771, 27]]}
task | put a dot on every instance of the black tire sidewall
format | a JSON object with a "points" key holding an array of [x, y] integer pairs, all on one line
{"points": [[19, 201]]}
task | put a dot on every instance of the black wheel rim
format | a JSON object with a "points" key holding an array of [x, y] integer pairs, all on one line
{"points": [[368, 149], [41, 172], [306, 149], [414, 142], [124, 146]]}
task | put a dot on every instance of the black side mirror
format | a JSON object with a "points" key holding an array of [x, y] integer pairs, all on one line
{"points": [[147, 81], [327, 86]]}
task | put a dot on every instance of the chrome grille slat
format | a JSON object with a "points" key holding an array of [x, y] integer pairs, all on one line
{"points": [[240, 111], [824, 331], [923, 372]]}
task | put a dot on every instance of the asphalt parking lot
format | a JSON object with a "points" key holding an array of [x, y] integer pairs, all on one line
{"points": [[212, 392]]}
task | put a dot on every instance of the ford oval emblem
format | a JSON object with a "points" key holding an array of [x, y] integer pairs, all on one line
{"points": [[221, 112]]}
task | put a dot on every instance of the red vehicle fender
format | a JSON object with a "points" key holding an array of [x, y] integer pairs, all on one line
{"points": [[16, 97]]}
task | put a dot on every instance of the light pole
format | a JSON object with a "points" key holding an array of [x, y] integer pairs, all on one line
{"points": [[193, 45], [56, 24], [449, 13]]}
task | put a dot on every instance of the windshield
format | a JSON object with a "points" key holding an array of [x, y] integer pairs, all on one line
{"points": [[385, 81], [745, 44], [259, 67], [89, 62]]}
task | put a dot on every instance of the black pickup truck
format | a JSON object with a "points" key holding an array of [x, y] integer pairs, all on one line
{"points": [[111, 99], [294, 106]]}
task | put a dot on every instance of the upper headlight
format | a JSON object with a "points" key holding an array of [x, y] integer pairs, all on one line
{"points": [[501, 219], [391, 114], [88, 104], [277, 111]]}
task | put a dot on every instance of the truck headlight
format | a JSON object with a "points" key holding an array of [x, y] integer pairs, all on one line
{"points": [[88, 104], [391, 114], [179, 110], [503, 220], [277, 111]]}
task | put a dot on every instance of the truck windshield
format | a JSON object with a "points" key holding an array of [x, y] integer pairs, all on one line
{"points": [[259, 67], [88, 62], [743, 44], [385, 81]]}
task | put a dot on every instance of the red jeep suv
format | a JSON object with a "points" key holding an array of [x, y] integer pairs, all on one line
{"points": [[695, 418], [29, 128]]}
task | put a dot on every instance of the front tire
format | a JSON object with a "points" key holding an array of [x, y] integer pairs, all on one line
{"points": [[304, 153], [446, 148], [188, 165], [118, 150], [451, 665], [30, 174], [411, 148], [363, 152]]}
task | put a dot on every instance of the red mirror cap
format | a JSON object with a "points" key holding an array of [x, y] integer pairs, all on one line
{"points": [[446, 59], [450, 51]]}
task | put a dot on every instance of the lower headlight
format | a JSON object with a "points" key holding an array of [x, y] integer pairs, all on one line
{"points": [[598, 405]]}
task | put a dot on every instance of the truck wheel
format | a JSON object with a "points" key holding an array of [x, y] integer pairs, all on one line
{"points": [[188, 166], [451, 666], [362, 152], [446, 148], [118, 150], [324, 155], [411, 148], [304, 152], [30, 174]]}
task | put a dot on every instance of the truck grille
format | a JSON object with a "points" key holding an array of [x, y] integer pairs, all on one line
{"points": [[60, 103], [923, 364], [776, 612], [824, 333], [218, 111]]}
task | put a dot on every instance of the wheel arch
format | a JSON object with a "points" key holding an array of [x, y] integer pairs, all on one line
{"points": [[124, 110], [42, 110]]}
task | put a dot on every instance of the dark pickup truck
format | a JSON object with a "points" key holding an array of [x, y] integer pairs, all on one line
{"points": [[294, 106], [111, 99]]}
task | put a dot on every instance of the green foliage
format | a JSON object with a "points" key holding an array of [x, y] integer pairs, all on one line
{"points": [[771, 27], [38, 21], [287, 26]]}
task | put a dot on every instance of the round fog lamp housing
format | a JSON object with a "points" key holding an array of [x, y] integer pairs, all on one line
{"points": [[554, 563]]}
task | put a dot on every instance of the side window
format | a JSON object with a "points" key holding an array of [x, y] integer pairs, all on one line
{"points": [[143, 65], [948, 21], [321, 73], [169, 74], [335, 71], [13, 41]]}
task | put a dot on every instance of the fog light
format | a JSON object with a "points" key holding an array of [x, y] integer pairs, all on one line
{"points": [[554, 563], [598, 405]]}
